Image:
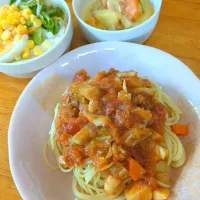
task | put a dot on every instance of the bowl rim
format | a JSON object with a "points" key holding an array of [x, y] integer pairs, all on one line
{"points": [[35, 59], [116, 31]]}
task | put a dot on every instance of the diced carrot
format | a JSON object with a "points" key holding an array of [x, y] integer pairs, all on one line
{"points": [[180, 129], [107, 5], [135, 169], [29, 31], [93, 22], [131, 8], [64, 139]]}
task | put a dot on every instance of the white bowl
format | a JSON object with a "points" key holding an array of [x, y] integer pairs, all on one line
{"points": [[33, 114], [30, 67], [138, 34]]}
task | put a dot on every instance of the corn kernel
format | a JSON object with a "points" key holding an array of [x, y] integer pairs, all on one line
{"points": [[37, 23], [17, 58], [47, 44], [6, 35], [13, 7], [3, 15], [11, 10], [17, 15], [21, 29], [26, 15], [33, 17], [5, 8], [28, 11], [17, 37], [22, 20], [37, 51], [30, 44], [11, 19], [5, 24], [26, 54]]}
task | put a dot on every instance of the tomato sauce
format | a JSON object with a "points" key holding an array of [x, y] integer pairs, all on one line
{"points": [[126, 125], [73, 156], [80, 76]]}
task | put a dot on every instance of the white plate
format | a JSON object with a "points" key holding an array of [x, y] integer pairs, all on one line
{"points": [[32, 117]]}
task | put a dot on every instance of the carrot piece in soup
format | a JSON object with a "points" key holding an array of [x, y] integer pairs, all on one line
{"points": [[131, 8]]}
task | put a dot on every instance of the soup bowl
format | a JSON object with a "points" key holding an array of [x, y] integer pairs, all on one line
{"points": [[138, 34]]}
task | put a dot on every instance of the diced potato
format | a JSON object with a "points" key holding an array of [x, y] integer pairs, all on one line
{"points": [[112, 185], [138, 192], [81, 137], [113, 5], [156, 136], [161, 151], [97, 120], [83, 88], [122, 95], [161, 166], [145, 114], [126, 22], [134, 82], [134, 135], [61, 161], [119, 171], [161, 194], [108, 18]]}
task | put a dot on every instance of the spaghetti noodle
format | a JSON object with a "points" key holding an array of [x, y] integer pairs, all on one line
{"points": [[114, 132]]}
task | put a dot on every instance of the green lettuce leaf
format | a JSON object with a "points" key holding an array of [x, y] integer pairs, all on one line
{"points": [[37, 36], [50, 18], [28, 4], [49, 15], [12, 1]]}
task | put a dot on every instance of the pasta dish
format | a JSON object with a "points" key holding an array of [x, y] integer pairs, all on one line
{"points": [[117, 133]]}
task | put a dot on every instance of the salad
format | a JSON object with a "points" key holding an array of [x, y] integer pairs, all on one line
{"points": [[28, 28], [117, 14]]}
